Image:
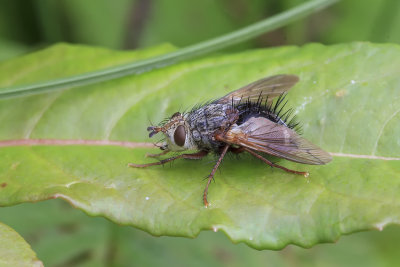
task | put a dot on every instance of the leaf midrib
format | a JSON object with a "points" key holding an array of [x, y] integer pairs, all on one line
{"points": [[128, 144]]}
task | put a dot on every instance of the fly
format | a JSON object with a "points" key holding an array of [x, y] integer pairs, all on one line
{"points": [[245, 120]]}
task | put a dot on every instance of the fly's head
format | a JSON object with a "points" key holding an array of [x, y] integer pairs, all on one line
{"points": [[177, 133]]}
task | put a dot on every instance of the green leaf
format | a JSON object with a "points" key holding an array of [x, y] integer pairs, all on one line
{"points": [[14, 251], [347, 99]]}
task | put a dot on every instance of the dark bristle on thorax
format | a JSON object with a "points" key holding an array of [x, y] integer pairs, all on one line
{"points": [[274, 111]]}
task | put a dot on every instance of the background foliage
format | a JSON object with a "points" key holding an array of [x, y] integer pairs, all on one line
{"points": [[62, 236], [30, 25], [130, 24]]}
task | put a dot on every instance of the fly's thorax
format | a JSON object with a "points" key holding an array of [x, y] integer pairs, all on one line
{"points": [[204, 121]]}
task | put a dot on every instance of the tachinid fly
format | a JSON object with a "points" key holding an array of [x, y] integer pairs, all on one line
{"points": [[245, 120]]}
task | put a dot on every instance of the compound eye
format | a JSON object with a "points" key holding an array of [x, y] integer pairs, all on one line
{"points": [[180, 135]]}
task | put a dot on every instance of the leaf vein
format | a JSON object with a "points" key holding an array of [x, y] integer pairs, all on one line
{"points": [[382, 129], [41, 114]]}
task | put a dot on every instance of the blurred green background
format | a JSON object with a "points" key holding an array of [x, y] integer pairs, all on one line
{"points": [[26, 25], [62, 236]]}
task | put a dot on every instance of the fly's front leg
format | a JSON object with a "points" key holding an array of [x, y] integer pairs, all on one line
{"points": [[197, 155], [149, 155]]}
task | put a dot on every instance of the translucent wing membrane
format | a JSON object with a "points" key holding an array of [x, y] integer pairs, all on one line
{"points": [[267, 89], [263, 135]]}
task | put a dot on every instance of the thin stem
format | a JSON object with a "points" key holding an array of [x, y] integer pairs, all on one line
{"points": [[202, 48]]}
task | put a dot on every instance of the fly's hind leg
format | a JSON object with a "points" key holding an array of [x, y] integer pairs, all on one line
{"points": [[305, 174], [197, 155], [211, 176]]}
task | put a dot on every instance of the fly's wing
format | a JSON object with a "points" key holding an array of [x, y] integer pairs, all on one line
{"points": [[263, 135], [267, 89]]}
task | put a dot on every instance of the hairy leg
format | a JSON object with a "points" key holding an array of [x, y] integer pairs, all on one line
{"points": [[197, 155], [305, 174], [211, 176]]}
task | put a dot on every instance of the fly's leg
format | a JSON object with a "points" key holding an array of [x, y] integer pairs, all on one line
{"points": [[149, 155], [211, 176], [197, 155], [305, 174]]}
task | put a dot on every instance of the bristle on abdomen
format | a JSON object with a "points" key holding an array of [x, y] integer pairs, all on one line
{"points": [[273, 111]]}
